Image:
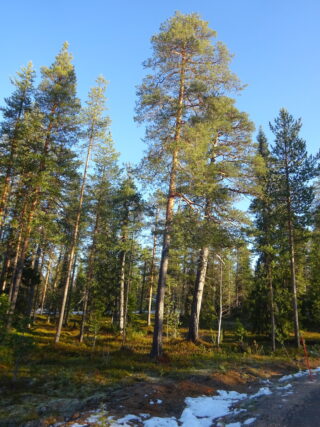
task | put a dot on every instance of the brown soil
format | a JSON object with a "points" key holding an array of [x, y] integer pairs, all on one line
{"points": [[142, 397]]}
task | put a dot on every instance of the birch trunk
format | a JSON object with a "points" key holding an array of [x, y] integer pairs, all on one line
{"points": [[193, 334]]}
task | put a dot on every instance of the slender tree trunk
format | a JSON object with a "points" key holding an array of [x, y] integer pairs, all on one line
{"points": [[72, 285], [4, 272], [17, 275], [90, 276], [35, 268], [122, 292], [294, 284], [73, 245], [292, 259], [156, 349], [152, 268], [272, 311], [84, 314], [220, 303], [126, 297], [143, 285], [45, 286], [17, 249], [193, 334]]}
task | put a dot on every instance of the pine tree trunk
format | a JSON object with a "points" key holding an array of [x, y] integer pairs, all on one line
{"points": [[152, 268], [4, 272], [143, 285], [90, 275], [294, 285], [72, 285], [20, 259], [126, 298], [35, 268], [84, 314], [220, 303], [272, 311], [156, 349], [73, 246], [193, 334]]}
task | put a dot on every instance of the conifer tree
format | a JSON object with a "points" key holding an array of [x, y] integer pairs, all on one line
{"points": [[186, 69], [96, 126], [293, 169], [262, 206], [53, 127], [18, 104]]}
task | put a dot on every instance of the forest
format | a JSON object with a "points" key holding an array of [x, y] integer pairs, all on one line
{"points": [[209, 246]]}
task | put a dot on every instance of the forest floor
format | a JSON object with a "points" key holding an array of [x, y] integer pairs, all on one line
{"points": [[42, 383]]}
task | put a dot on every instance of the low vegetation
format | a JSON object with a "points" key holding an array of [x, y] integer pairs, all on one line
{"points": [[43, 379]]}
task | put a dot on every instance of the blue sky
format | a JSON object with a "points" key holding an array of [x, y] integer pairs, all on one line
{"points": [[275, 43]]}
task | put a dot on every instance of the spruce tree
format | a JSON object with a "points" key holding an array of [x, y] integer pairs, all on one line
{"points": [[265, 220], [293, 169]]}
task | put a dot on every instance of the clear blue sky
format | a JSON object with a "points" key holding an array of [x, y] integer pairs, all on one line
{"points": [[276, 46]]}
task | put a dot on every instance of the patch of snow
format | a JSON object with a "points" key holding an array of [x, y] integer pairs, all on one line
{"points": [[201, 411], [161, 422], [285, 387], [96, 418], [233, 425], [238, 411], [188, 419], [127, 418], [144, 415], [263, 391], [296, 375], [285, 378], [249, 421], [159, 401]]}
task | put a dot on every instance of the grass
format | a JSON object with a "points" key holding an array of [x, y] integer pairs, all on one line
{"points": [[34, 370]]}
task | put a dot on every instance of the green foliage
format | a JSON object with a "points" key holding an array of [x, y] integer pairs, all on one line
{"points": [[4, 305], [240, 331]]}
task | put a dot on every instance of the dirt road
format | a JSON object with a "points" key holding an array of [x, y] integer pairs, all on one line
{"points": [[294, 402], [286, 401]]}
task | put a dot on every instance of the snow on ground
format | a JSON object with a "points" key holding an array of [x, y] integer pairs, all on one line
{"points": [[296, 375], [199, 411], [249, 421]]}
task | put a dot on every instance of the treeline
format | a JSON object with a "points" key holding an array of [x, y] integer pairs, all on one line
{"points": [[80, 233]]}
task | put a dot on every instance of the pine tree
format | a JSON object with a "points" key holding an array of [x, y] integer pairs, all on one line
{"points": [[12, 130], [96, 126], [187, 68], [53, 128]]}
